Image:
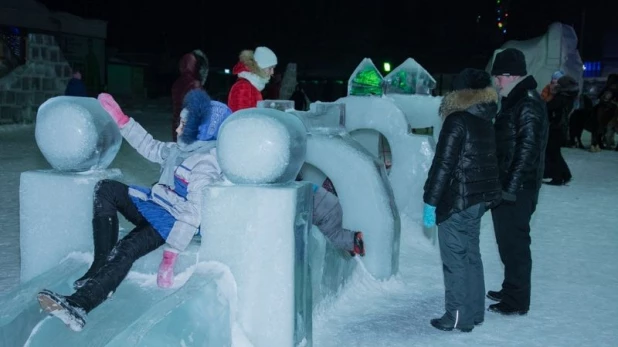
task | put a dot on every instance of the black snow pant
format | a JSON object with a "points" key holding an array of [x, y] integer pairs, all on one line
{"points": [[512, 227], [555, 166], [112, 197], [462, 266]]}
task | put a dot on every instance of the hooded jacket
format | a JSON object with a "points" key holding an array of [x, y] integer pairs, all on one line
{"points": [[193, 69], [175, 211], [247, 90], [521, 137], [464, 171]]}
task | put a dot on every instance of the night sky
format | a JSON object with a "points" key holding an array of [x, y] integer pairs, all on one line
{"points": [[440, 34]]}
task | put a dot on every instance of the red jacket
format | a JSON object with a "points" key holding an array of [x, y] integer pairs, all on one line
{"points": [[191, 69], [243, 93]]}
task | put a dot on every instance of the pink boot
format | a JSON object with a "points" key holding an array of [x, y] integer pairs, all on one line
{"points": [[165, 277]]}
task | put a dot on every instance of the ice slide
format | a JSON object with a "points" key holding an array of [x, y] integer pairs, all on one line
{"points": [[259, 271], [194, 313]]}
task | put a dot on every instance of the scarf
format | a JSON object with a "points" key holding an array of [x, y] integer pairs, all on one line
{"points": [[258, 82], [177, 154]]}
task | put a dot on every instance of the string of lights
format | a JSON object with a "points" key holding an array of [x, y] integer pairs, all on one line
{"points": [[502, 16]]}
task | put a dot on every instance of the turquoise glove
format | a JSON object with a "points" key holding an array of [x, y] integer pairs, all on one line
{"points": [[429, 216]]}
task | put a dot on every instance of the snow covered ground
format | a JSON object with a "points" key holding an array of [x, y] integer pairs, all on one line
{"points": [[574, 250]]}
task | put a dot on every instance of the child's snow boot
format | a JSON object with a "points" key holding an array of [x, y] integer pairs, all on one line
{"points": [[58, 306], [165, 277]]}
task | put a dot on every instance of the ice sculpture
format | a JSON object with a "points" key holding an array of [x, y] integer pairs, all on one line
{"points": [[409, 78], [411, 154], [55, 216], [363, 189], [261, 231], [76, 134], [281, 105], [556, 50], [276, 138], [365, 80]]}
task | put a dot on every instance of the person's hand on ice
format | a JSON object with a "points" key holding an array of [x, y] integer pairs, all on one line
{"points": [[429, 216], [111, 106]]}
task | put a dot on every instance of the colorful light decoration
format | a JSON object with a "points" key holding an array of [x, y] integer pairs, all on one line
{"points": [[502, 17]]}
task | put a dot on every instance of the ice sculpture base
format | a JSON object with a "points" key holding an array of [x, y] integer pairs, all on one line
{"points": [[55, 216], [260, 232]]}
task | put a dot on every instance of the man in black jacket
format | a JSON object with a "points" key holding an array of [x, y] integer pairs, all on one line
{"points": [[462, 183], [521, 139]]}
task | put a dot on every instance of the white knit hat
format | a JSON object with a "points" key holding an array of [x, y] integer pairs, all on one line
{"points": [[265, 57]]}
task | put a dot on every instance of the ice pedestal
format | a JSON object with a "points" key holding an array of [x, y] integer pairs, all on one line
{"points": [[55, 216], [411, 154], [261, 233]]}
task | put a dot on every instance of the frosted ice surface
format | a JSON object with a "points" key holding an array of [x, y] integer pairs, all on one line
{"points": [[409, 78], [198, 313], [411, 154], [421, 111], [261, 146], [260, 232], [55, 216], [366, 80], [76, 134], [281, 105]]}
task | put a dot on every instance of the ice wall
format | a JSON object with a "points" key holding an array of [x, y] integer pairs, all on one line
{"points": [[76, 134], [55, 216], [555, 50]]}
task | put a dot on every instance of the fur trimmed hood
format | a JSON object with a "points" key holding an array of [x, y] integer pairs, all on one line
{"points": [[479, 102], [247, 63]]}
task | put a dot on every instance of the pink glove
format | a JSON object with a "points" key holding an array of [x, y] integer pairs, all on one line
{"points": [[165, 277], [111, 106]]}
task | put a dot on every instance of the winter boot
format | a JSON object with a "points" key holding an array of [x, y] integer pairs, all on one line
{"points": [[447, 323], [359, 245], [507, 310], [495, 295], [165, 277], [58, 306], [105, 236]]}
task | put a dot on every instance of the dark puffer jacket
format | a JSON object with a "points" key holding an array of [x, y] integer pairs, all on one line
{"points": [[521, 137], [464, 171], [561, 105]]}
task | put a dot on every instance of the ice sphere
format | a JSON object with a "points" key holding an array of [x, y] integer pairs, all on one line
{"points": [[281, 105], [366, 80], [55, 216], [260, 232], [258, 146], [76, 134], [411, 154], [409, 78]]}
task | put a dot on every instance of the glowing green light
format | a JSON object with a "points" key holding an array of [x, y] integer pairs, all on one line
{"points": [[387, 67]]}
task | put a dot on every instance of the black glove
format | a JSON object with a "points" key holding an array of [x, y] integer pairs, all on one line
{"points": [[508, 198]]}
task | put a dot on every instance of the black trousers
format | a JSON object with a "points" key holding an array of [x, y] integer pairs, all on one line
{"points": [[512, 227], [112, 197], [555, 165]]}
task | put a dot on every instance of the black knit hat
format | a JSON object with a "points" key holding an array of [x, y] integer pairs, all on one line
{"points": [[511, 62], [471, 79]]}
